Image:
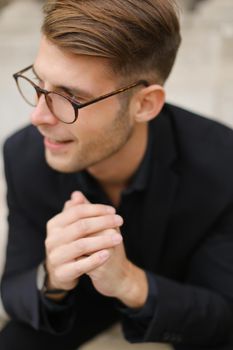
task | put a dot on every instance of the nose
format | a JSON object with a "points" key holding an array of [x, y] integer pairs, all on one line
{"points": [[41, 115]]}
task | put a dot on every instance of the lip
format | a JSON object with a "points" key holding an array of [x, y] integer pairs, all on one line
{"points": [[56, 145]]}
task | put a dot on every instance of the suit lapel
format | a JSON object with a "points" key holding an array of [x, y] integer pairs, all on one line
{"points": [[158, 203], [160, 193]]}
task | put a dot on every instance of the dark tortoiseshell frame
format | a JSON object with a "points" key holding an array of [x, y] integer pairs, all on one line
{"points": [[75, 104]]}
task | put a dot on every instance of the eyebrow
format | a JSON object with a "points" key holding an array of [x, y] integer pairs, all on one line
{"points": [[69, 89]]}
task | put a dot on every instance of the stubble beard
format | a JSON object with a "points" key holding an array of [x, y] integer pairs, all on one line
{"points": [[109, 142]]}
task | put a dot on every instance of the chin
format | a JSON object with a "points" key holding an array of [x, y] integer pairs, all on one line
{"points": [[60, 164]]}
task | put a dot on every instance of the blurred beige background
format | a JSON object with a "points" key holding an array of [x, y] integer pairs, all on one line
{"points": [[202, 80]]}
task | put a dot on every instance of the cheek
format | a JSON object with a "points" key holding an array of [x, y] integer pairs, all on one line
{"points": [[98, 116]]}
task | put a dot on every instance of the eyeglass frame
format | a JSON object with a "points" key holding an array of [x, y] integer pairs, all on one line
{"points": [[75, 104]]}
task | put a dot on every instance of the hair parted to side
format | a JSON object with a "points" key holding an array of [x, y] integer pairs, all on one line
{"points": [[139, 37]]}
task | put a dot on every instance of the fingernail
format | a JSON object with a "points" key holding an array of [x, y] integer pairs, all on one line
{"points": [[76, 195], [111, 210], [118, 220], [116, 239]]}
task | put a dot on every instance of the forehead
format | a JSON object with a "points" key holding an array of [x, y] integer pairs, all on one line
{"points": [[60, 67]]}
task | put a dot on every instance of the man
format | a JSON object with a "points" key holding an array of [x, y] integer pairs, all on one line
{"points": [[120, 206]]}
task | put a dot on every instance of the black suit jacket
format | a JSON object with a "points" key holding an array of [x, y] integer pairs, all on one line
{"points": [[186, 241]]}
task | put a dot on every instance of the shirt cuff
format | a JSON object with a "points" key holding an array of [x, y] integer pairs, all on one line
{"points": [[56, 317], [145, 314]]}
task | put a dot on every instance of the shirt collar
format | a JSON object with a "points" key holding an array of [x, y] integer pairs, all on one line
{"points": [[138, 181]]}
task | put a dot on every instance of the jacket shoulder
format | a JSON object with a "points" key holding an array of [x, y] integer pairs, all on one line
{"points": [[24, 160], [23, 144], [32, 185], [205, 151], [196, 123], [201, 136]]}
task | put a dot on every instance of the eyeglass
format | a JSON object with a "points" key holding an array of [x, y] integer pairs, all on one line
{"points": [[64, 108]]}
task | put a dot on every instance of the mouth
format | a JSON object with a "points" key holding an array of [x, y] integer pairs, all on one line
{"points": [[54, 144]]}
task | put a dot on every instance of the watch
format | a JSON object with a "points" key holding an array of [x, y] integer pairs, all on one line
{"points": [[42, 278]]}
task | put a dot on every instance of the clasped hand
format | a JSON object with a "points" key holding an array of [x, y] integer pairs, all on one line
{"points": [[85, 238]]}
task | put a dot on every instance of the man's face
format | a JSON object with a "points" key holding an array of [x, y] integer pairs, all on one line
{"points": [[102, 129]]}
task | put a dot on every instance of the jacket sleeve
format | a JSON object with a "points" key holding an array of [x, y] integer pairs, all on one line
{"points": [[198, 311], [25, 251]]}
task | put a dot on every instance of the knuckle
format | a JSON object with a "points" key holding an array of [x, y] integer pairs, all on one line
{"points": [[78, 269], [78, 195], [112, 220], [98, 259], [53, 259], [51, 229], [57, 274], [101, 209], [67, 204], [80, 247], [53, 239], [48, 244], [110, 232], [49, 224], [82, 226]]}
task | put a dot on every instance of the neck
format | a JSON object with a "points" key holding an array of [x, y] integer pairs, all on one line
{"points": [[114, 173]]}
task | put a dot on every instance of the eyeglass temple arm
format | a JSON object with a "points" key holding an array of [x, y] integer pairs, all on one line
{"points": [[22, 71], [140, 82]]}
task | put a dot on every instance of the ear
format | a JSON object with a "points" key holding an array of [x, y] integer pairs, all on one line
{"points": [[147, 103]]}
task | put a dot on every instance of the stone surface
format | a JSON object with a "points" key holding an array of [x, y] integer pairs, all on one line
{"points": [[113, 340]]}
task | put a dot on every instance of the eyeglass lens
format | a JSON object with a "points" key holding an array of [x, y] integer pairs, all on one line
{"points": [[58, 105]]}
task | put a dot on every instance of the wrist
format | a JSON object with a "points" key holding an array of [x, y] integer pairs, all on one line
{"points": [[135, 288], [54, 294], [48, 290]]}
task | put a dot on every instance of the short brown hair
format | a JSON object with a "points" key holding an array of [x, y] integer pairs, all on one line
{"points": [[140, 37]]}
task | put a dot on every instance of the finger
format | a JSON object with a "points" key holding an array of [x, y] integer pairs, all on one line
{"points": [[68, 204], [79, 196], [89, 226], [76, 198], [76, 212], [83, 228], [75, 269], [83, 247]]}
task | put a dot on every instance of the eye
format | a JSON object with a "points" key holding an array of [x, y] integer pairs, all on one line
{"points": [[77, 99], [73, 97]]}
